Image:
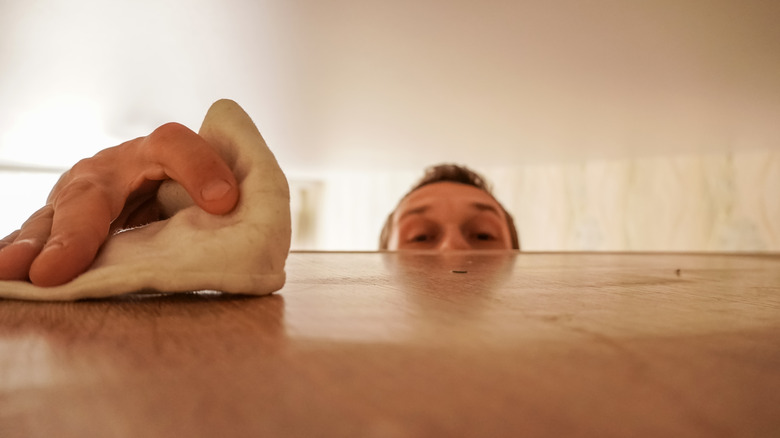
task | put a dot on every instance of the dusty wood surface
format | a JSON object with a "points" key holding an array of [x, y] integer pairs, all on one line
{"points": [[394, 345]]}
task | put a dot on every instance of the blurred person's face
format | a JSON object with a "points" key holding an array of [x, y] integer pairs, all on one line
{"points": [[448, 216]]}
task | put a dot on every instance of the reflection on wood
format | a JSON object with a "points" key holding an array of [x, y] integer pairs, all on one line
{"points": [[385, 345]]}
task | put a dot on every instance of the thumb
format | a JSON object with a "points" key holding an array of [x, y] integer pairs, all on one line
{"points": [[196, 165]]}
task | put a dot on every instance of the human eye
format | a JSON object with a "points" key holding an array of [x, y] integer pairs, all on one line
{"points": [[419, 238], [483, 234], [485, 237]]}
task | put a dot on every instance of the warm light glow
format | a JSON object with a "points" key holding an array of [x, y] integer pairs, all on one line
{"points": [[21, 194], [55, 134]]}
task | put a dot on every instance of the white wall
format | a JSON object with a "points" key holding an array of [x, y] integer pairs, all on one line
{"points": [[355, 84], [604, 124], [21, 194]]}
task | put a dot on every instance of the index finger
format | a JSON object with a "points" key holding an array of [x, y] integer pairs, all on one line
{"points": [[81, 222]]}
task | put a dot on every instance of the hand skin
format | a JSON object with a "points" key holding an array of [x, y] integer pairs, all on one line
{"points": [[115, 189]]}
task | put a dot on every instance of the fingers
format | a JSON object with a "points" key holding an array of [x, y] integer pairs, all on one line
{"points": [[90, 197], [9, 239], [81, 222], [20, 248], [187, 158], [15, 259], [83, 204]]}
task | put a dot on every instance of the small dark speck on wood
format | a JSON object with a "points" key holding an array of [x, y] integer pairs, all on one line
{"points": [[457, 271], [677, 272]]}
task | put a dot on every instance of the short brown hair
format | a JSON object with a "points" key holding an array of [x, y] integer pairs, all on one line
{"points": [[457, 174]]}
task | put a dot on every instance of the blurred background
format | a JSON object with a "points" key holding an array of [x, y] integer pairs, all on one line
{"points": [[604, 125]]}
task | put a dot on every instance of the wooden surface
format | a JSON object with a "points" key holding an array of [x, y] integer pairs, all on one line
{"points": [[400, 345]]}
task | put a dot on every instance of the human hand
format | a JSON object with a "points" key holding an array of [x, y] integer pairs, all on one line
{"points": [[115, 189]]}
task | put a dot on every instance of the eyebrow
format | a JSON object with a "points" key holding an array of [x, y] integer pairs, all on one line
{"points": [[485, 207], [481, 206], [416, 210]]}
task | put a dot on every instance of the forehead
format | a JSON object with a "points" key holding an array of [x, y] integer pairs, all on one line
{"points": [[445, 194]]}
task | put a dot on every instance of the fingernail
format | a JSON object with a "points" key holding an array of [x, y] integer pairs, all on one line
{"points": [[215, 190]]}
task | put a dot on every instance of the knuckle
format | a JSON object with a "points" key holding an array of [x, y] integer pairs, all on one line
{"points": [[45, 212], [104, 159], [85, 165], [81, 185], [171, 128], [83, 188], [7, 240], [175, 146], [43, 215], [167, 134]]}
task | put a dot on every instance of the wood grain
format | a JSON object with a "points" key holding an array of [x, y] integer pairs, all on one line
{"points": [[398, 345]]}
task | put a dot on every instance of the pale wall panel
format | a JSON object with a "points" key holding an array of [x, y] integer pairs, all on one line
{"points": [[726, 202], [704, 202]]}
